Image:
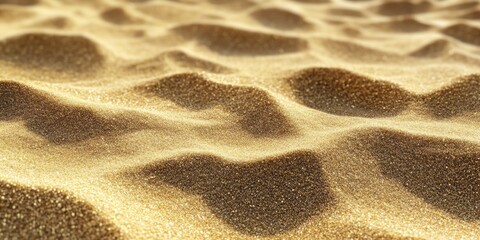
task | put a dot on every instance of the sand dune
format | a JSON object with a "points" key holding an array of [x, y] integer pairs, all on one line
{"points": [[436, 48], [240, 41], [239, 119], [403, 24], [345, 93], [258, 112], [181, 59], [57, 121], [464, 33], [31, 212], [262, 198], [395, 8], [280, 19], [456, 98], [51, 51], [442, 172]]}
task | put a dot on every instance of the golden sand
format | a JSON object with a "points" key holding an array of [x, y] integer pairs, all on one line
{"points": [[239, 119]]}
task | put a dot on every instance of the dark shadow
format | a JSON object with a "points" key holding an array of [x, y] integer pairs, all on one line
{"points": [[443, 172], [341, 92], [259, 198], [259, 113], [458, 98], [58, 122], [29, 213]]}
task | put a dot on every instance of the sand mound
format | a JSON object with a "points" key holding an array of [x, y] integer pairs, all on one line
{"points": [[11, 14], [462, 5], [55, 23], [233, 4], [229, 40], [187, 61], [279, 18], [55, 120], [464, 33], [403, 24], [31, 213], [455, 99], [341, 92], [259, 113], [436, 48], [261, 198], [445, 173], [345, 12], [474, 15], [57, 52], [180, 59], [20, 2], [350, 231], [312, 1], [403, 7], [352, 52], [117, 15]]}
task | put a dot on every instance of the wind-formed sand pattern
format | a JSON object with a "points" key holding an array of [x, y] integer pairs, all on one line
{"points": [[239, 119]]}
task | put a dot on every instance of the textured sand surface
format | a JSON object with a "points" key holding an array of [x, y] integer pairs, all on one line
{"points": [[239, 119]]}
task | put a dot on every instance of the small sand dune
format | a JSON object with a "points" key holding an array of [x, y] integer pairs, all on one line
{"points": [[180, 59], [57, 52], [240, 42], [462, 5], [403, 7], [54, 120], [258, 112], [474, 15], [403, 24], [279, 18], [464, 33], [55, 23], [341, 92], [19, 2], [457, 98], [312, 1], [445, 173], [353, 52], [436, 48], [265, 197], [119, 16], [29, 212], [345, 12], [15, 14]]}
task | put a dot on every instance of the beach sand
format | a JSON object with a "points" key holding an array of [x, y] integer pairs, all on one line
{"points": [[239, 119]]}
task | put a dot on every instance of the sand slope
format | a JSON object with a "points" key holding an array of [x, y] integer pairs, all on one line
{"points": [[239, 119]]}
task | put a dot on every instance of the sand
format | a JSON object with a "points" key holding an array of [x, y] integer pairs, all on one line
{"points": [[239, 119]]}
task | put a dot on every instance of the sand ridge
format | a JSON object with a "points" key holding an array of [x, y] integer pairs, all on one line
{"points": [[239, 119]]}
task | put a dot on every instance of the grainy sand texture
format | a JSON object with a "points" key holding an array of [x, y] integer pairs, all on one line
{"points": [[239, 119]]}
